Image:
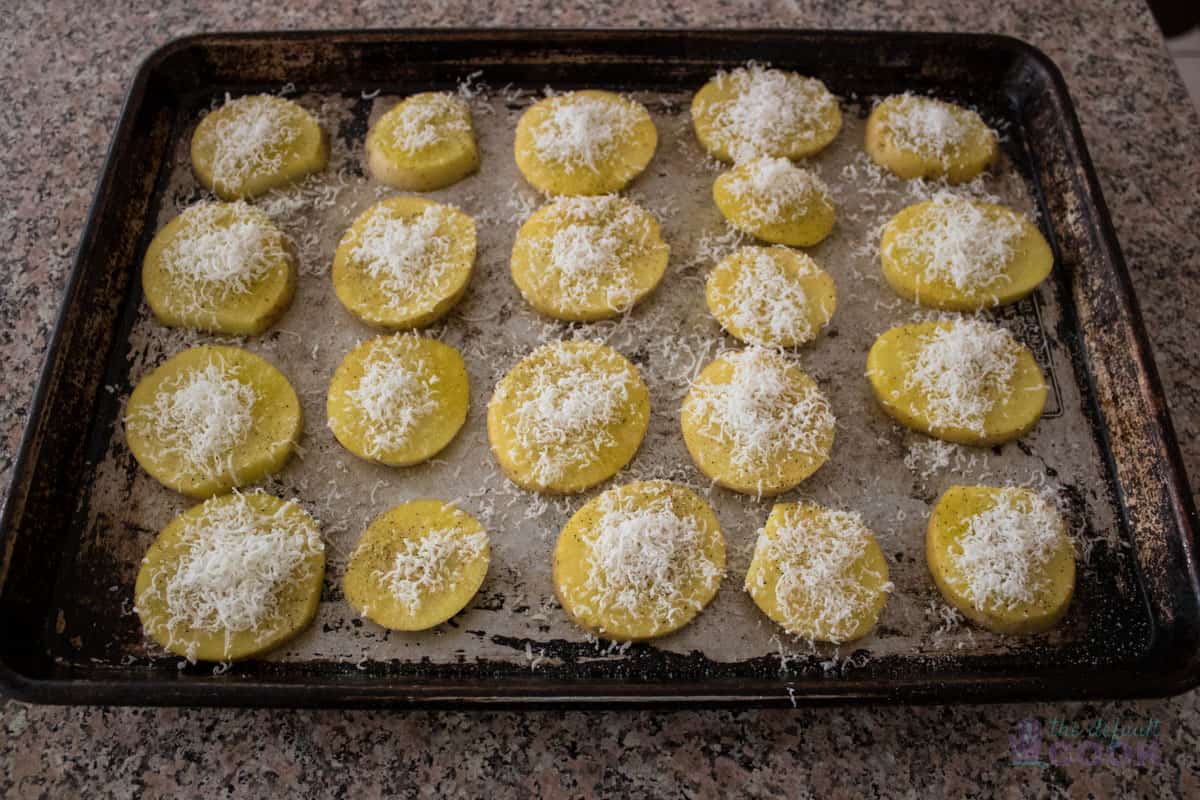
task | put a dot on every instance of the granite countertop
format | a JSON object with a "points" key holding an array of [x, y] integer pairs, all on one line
{"points": [[64, 68]]}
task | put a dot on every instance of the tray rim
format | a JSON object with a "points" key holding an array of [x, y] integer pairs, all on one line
{"points": [[1183, 655]]}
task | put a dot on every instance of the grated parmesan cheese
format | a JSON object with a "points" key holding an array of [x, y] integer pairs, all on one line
{"points": [[1005, 549], [430, 564], [394, 396], [249, 138], [408, 257], [770, 109], [774, 190], [963, 370], [424, 121], [764, 297], [932, 128], [580, 131]]}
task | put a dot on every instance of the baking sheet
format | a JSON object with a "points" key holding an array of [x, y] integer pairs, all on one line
{"points": [[515, 622]]}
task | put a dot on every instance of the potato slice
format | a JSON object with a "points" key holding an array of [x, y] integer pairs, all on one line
{"points": [[405, 262], [639, 561], [588, 258], [964, 381], [755, 423], [771, 296], [425, 142], [921, 137], [568, 416], [588, 142], [231, 578], [398, 399], [819, 573], [220, 268], [963, 255], [253, 144], [1001, 556], [212, 418], [754, 111], [417, 565], [776, 201]]}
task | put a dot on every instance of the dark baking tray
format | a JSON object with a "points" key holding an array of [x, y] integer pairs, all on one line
{"points": [[1143, 648]]}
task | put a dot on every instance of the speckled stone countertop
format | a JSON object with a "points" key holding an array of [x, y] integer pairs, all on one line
{"points": [[64, 68]]}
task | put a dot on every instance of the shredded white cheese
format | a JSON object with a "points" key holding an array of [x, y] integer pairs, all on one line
{"points": [[581, 131], [424, 121], [249, 138], [408, 258], [1002, 555], [933, 128], [770, 110], [772, 191], [394, 396], [430, 564], [764, 301], [963, 370]]}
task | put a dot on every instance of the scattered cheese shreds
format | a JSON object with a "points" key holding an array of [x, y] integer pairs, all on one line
{"points": [[933, 128], [764, 296], [408, 257], [770, 109], [963, 369], [249, 139], [426, 120], [430, 564], [774, 190], [1003, 553], [395, 396], [581, 131]]}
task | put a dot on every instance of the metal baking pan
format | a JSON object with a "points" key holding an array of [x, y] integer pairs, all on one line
{"points": [[79, 513]]}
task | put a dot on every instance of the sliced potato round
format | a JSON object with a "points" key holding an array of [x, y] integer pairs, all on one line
{"points": [[425, 142], [756, 423], [568, 416], [776, 201], [639, 561], [231, 578], [958, 254], [417, 565], [771, 296], [588, 258], [754, 111], [1002, 557], [965, 381], [819, 573], [921, 137], [221, 268], [398, 399], [253, 144], [212, 418], [588, 142], [405, 262]]}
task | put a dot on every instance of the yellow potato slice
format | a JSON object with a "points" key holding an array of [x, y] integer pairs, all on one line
{"points": [[967, 382], [212, 418], [231, 578], [771, 296], [221, 268], [958, 254], [755, 423], [425, 142], [819, 573], [588, 142], [417, 565], [568, 416], [754, 111], [253, 144], [639, 561], [398, 399], [405, 262], [588, 258], [920, 137], [1002, 557], [776, 201]]}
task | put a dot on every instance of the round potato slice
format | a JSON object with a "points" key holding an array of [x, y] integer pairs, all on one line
{"points": [[920, 137], [212, 418], [776, 201], [253, 144], [1001, 556], [588, 258], [417, 565], [958, 254], [398, 399], [231, 578], [639, 561], [568, 416], [588, 142], [771, 296], [426, 142], [754, 111], [405, 262], [755, 423], [965, 381], [819, 573], [221, 268]]}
